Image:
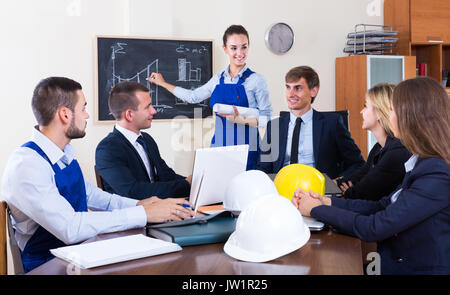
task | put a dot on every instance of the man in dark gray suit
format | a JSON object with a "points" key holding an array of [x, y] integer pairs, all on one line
{"points": [[307, 136], [128, 160]]}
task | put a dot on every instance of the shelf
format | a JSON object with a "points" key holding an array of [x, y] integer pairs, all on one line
{"points": [[446, 60], [429, 54], [418, 22]]}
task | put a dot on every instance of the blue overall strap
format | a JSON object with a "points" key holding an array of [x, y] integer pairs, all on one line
{"points": [[76, 198], [70, 184], [242, 79], [221, 80], [244, 76], [32, 145]]}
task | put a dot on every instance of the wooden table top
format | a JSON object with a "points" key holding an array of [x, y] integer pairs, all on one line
{"points": [[326, 252]]}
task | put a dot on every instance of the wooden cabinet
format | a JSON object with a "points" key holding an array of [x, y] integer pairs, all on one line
{"points": [[355, 75], [430, 20], [424, 32]]}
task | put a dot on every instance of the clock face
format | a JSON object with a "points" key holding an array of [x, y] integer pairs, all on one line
{"points": [[280, 38]]}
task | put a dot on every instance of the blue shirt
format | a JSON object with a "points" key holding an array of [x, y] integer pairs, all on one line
{"points": [[255, 87], [305, 146], [409, 165]]}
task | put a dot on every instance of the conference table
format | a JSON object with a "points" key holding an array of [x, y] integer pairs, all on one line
{"points": [[326, 252]]}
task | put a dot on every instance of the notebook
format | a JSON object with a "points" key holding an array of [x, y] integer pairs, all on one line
{"points": [[331, 188], [203, 218], [211, 209], [114, 250], [216, 230], [313, 224]]}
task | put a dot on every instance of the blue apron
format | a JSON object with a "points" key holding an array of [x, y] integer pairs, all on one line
{"points": [[70, 183], [227, 133]]}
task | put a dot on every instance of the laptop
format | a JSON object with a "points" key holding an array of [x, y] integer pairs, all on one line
{"points": [[213, 170], [331, 189]]}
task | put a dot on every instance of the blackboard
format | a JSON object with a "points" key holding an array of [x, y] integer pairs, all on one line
{"points": [[184, 63]]}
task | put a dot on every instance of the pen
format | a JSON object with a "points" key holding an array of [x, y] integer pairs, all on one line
{"points": [[186, 205]]}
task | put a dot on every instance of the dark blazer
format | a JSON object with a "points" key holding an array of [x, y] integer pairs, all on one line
{"points": [[335, 152], [413, 233], [124, 173], [382, 173]]}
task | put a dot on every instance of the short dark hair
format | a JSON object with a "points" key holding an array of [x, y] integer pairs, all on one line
{"points": [[308, 73], [122, 97], [52, 93], [234, 29]]}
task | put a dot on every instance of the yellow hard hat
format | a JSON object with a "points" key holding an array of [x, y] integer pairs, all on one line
{"points": [[293, 176]]}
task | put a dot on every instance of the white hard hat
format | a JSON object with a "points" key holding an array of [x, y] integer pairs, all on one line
{"points": [[246, 187], [268, 228]]}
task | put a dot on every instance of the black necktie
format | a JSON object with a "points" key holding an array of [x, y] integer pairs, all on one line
{"points": [[141, 141], [295, 139]]}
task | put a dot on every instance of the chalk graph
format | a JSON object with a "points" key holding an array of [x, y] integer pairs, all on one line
{"points": [[141, 75], [186, 73]]}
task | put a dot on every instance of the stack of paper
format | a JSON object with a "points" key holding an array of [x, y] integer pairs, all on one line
{"points": [[114, 250], [371, 39]]}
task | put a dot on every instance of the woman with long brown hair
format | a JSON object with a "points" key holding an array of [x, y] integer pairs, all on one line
{"points": [[411, 225]]}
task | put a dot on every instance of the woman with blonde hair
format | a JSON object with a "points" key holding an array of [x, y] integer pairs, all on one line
{"points": [[384, 169], [411, 225]]}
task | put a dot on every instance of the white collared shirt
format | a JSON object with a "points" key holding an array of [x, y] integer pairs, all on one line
{"points": [[409, 165], [29, 188], [132, 138], [255, 88], [305, 145]]}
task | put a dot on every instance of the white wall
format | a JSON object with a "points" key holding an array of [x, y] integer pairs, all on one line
{"points": [[41, 38]]}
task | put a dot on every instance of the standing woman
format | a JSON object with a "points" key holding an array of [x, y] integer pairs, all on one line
{"points": [[237, 85], [411, 225], [384, 169]]}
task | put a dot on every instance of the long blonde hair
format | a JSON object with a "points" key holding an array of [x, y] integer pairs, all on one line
{"points": [[423, 114], [380, 97]]}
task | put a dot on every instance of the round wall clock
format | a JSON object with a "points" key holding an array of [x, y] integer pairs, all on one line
{"points": [[279, 38]]}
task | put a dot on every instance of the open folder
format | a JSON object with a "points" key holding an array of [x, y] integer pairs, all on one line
{"points": [[114, 250], [212, 229]]}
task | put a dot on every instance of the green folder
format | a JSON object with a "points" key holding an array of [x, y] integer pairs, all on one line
{"points": [[216, 230]]}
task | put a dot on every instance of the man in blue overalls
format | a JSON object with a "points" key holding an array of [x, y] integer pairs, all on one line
{"points": [[45, 188]]}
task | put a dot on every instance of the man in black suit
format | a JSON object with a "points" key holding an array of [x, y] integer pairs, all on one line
{"points": [[128, 160], [307, 136]]}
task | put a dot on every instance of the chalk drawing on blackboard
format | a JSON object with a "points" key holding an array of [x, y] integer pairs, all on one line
{"points": [[135, 58], [183, 49], [186, 73], [141, 75]]}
